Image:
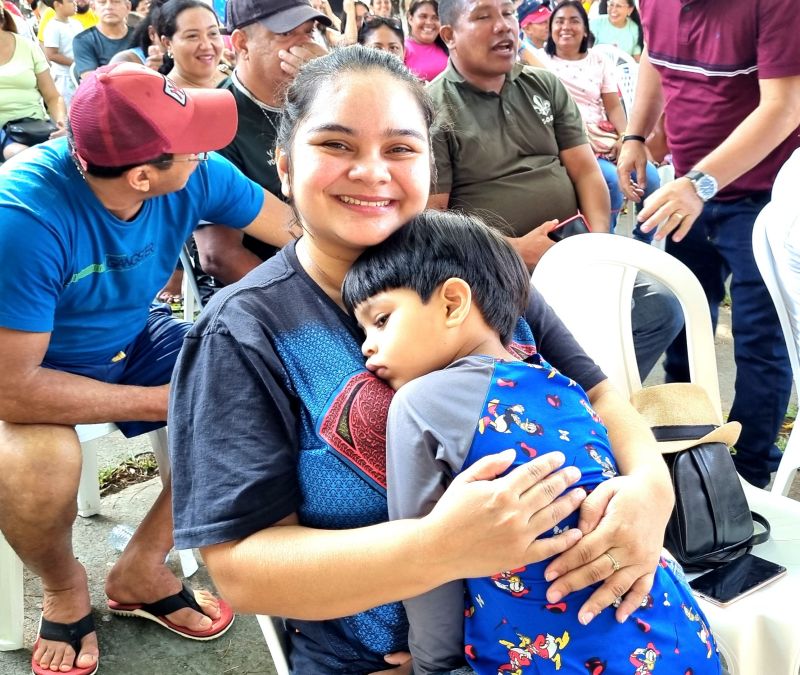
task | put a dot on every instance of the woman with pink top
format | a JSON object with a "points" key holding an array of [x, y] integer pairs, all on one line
{"points": [[426, 54], [591, 81]]}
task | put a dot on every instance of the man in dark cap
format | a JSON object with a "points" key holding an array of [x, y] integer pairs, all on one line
{"points": [[80, 264]]}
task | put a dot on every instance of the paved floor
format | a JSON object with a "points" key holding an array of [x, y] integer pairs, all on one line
{"points": [[133, 646]]}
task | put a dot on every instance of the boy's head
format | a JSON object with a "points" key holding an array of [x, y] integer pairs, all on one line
{"points": [[64, 8], [414, 293]]}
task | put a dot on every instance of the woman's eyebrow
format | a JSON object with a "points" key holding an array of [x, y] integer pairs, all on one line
{"points": [[341, 129]]}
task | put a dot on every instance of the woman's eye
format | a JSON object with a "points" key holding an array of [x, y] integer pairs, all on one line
{"points": [[380, 320], [335, 145]]}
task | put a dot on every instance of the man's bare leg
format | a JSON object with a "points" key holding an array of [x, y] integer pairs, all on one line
{"points": [[38, 504], [140, 575]]}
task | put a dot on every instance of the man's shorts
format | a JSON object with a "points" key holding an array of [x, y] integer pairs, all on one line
{"points": [[147, 361]]}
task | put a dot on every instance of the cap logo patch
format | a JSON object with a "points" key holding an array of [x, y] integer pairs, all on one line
{"points": [[174, 92]]}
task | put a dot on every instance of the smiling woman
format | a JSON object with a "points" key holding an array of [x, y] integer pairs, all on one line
{"points": [[190, 34], [426, 53]]}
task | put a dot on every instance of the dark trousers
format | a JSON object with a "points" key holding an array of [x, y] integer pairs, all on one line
{"points": [[720, 245]]}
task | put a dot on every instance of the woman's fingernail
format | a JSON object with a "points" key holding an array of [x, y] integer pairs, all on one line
{"points": [[553, 596], [623, 618], [585, 618], [552, 575]]}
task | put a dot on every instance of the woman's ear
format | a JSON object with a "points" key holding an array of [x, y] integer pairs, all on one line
{"points": [[456, 296], [283, 166], [165, 42]]}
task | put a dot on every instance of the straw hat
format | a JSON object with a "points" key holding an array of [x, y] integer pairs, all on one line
{"points": [[681, 415]]}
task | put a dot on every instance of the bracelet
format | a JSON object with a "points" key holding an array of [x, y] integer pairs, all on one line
{"points": [[633, 137]]}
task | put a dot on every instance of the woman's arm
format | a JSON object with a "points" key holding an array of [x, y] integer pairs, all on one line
{"points": [[616, 115], [53, 101], [478, 527]]}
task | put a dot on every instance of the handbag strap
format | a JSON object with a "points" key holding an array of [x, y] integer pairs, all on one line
{"points": [[760, 537]]}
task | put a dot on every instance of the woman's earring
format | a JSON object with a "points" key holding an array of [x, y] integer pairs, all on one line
{"points": [[169, 53]]}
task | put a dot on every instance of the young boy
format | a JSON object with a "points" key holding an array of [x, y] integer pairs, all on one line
{"points": [[439, 301], [58, 35]]}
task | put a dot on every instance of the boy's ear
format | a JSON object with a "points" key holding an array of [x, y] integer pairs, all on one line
{"points": [[456, 296]]}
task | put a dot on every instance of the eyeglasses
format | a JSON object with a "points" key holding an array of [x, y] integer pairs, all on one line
{"points": [[194, 157]]}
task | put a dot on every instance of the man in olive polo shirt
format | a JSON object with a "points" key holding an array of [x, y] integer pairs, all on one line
{"points": [[510, 143]]}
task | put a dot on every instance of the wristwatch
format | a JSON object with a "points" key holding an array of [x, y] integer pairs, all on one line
{"points": [[704, 185]]}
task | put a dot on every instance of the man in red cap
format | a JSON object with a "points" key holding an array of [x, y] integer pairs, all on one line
{"points": [[90, 228], [534, 22]]}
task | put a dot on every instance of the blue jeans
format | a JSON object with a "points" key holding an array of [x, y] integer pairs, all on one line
{"points": [[609, 170], [720, 245], [656, 319]]}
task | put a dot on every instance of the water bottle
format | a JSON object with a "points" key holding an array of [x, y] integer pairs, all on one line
{"points": [[120, 536]]}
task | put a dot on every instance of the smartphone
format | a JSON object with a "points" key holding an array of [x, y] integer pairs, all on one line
{"points": [[736, 579], [566, 228]]}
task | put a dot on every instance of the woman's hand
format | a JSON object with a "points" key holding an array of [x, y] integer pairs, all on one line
{"points": [[155, 57], [61, 130], [401, 662], [616, 527], [484, 524]]}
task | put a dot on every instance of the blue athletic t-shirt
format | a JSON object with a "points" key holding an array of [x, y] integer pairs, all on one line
{"points": [[72, 268]]}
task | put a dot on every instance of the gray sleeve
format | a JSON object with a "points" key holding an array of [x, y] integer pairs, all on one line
{"points": [[429, 433], [557, 346]]}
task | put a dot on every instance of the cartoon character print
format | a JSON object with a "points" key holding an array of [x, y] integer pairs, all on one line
{"points": [[607, 466], [518, 658], [595, 417], [703, 633], [511, 582], [502, 417], [547, 646], [644, 658]]}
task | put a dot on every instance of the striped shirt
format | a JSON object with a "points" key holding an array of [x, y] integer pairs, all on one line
{"points": [[710, 55]]}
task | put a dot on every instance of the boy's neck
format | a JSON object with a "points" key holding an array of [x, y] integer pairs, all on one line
{"points": [[62, 19]]}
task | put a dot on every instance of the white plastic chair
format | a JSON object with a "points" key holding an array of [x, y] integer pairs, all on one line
{"points": [[277, 641], [776, 246], [756, 634], [627, 71], [11, 580], [191, 291]]}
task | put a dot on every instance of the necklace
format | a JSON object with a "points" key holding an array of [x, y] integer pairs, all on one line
{"points": [[265, 109]]}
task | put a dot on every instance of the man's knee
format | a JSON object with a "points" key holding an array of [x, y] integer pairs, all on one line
{"points": [[43, 455]]}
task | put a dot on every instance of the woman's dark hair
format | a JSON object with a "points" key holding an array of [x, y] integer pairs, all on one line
{"points": [[373, 23], [436, 246], [588, 39], [312, 78], [413, 10], [166, 23], [9, 24]]}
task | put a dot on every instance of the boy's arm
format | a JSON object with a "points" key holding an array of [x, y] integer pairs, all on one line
{"points": [[429, 433]]}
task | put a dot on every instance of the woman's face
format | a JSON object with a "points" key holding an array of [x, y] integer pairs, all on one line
{"points": [[361, 13], [618, 12], [197, 44], [385, 39], [360, 163], [568, 29], [382, 8], [424, 24]]}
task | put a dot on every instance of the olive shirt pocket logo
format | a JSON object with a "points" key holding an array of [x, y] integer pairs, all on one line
{"points": [[544, 109]]}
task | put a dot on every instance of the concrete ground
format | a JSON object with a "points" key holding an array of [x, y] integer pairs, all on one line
{"points": [[134, 646]]}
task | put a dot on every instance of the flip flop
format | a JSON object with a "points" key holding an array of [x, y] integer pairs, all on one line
{"points": [[72, 634], [157, 611]]}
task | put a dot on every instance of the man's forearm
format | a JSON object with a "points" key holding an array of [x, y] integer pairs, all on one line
{"points": [[649, 101], [777, 116], [594, 201], [54, 397]]}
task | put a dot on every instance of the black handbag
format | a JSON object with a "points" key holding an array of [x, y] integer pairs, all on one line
{"points": [[29, 131], [712, 522]]}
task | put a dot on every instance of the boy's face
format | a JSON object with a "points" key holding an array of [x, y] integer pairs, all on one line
{"points": [[64, 7], [406, 338]]}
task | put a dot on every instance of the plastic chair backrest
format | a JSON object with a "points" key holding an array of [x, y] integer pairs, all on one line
{"points": [[627, 71], [776, 247], [588, 280]]}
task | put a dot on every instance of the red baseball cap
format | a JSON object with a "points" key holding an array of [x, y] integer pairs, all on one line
{"points": [[539, 15], [126, 114]]}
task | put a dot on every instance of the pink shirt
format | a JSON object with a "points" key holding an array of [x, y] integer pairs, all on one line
{"points": [[585, 80], [425, 61]]}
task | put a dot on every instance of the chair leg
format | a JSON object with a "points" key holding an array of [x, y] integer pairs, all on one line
{"points": [[787, 469], [89, 487], [11, 598], [160, 443]]}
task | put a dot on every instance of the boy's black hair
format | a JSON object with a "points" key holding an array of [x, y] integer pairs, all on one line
{"points": [[438, 245]]}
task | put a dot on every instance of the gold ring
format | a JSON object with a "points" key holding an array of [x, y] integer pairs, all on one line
{"points": [[613, 560], [680, 215]]}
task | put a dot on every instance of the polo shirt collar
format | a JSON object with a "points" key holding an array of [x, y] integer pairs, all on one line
{"points": [[452, 75]]}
